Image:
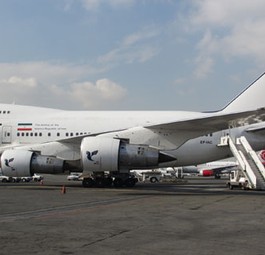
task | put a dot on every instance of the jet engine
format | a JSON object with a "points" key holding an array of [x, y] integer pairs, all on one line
{"points": [[18, 163], [100, 154]]}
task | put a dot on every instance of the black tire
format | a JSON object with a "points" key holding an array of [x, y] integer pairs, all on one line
{"points": [[153, 180], [99, 182], [118, 183], [130, 182], [88, 182], [108, 182]]}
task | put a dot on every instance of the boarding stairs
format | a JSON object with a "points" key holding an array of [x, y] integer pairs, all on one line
{"points": [[248, 161]]}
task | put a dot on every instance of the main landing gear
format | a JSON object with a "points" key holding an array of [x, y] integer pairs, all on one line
{"points": [[107, 181]]}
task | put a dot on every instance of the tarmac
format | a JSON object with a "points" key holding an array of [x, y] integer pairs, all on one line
{"points": [[195, 216]]}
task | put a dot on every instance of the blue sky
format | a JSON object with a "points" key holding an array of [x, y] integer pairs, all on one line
{"points": [[129, 54]]}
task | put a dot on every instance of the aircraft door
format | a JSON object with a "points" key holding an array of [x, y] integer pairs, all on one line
{"points": [[6, 134]]}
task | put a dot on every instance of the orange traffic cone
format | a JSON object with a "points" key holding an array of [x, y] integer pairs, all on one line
{"points": [[63, 190]]}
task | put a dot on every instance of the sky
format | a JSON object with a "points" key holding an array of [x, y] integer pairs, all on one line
{"points": [[193, 55]]}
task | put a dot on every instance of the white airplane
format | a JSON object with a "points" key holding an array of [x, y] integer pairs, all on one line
{"points": [[217, 168], [42, 140]]}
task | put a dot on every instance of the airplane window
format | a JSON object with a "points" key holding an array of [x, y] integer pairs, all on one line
{"points": [[8, 112], [58, 134], [71, 134], [4, 112], [22, 134], [36, 134], [27, 134], [31, 134], [76, 133], [66, 134], [18, 134], [40, 134], [49, 134]]}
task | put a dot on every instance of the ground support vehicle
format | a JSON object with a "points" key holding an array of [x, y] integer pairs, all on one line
{"points": [[74, 177], [238, 180], [37, 178]]}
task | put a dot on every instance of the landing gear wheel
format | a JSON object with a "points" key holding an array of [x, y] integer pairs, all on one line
{"points": [[153, 179], [118, 182], [108, 182], [102, 182], [130, 182], [88, 182], [99, 182]]}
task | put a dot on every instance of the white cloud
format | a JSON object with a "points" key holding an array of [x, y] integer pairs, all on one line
{"points": [[93, 96], [229, 29], [91, 4], [226, 12], [68, 5], [95, 4], [18, 82], [46, 71], [246, 39], [136, 47], [54, 85], [204, 61], [122, 3], [140, 36], [204, 67], [14, 87]]}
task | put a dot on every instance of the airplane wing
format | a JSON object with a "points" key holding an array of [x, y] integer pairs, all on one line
{"points": [[224, 169], [215, 122], [192, 128], [257, 128]]}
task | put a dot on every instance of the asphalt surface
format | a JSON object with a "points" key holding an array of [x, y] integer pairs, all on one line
{"points": [[199, 216]]}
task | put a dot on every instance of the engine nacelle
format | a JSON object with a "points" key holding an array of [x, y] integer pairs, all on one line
{"points": [[18, 163], [100, 154]]}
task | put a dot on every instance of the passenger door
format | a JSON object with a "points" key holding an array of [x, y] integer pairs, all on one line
{"points": [[6, 134]]}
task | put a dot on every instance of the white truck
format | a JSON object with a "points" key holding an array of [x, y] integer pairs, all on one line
{"points": [[147, 175], [157, 175], [37, 177], [237, 179]]}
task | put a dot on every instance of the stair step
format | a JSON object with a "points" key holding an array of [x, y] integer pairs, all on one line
{"points": [[249, 162]]}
